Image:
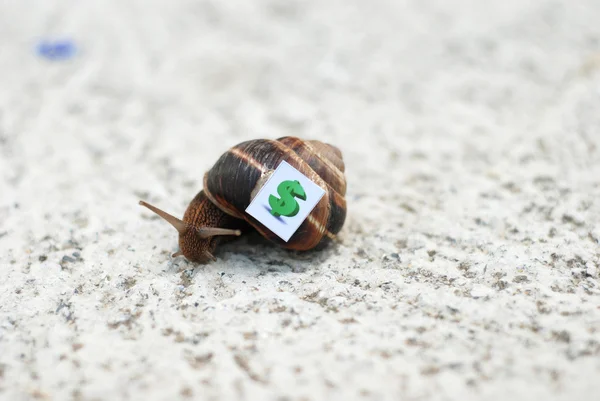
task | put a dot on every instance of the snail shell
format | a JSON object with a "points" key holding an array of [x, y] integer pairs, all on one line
{"points": [[236, 177]]}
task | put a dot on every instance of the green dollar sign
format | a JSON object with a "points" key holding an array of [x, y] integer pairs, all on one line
{"points": [[286, 205]]}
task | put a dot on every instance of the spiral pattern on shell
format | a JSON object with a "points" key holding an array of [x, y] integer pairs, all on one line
{"points": [[240, 172]]}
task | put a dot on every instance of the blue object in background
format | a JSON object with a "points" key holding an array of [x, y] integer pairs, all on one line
{"points": [[56, 50]]}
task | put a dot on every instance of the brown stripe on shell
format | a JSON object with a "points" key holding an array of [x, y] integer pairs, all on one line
{"points": [[249, 159], [330, 152], [318, 156], [320, 227]]}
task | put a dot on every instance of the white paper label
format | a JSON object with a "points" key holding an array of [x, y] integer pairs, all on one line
{"points": [[285, 201]]}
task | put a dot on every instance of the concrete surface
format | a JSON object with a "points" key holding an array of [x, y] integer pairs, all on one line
{"points": [[468, 267]]}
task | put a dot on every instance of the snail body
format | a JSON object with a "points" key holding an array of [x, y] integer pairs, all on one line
{"points": [[237, 176]]}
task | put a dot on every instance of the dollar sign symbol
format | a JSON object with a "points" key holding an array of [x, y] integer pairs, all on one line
{"points": [[286, 205]]}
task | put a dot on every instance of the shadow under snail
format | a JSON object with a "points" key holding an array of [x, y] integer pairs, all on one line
{"points": [[230, 185]]}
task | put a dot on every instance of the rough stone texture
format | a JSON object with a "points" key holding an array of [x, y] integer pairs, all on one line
{"points": [[468, 267]]}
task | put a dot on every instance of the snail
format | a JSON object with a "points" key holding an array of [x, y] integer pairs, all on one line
{"points": [[230, 185]]}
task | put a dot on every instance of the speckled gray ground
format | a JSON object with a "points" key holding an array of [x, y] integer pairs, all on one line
{"points": [[468, 267]]}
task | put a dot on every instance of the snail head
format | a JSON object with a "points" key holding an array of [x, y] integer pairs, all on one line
{"points": [[197, 238]]}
